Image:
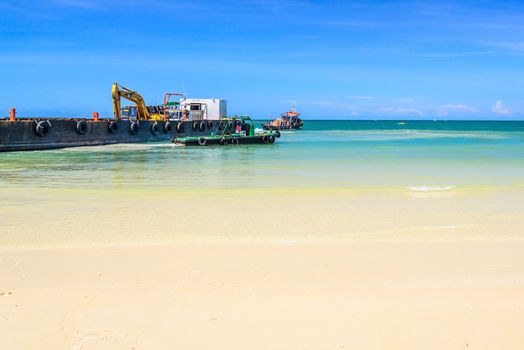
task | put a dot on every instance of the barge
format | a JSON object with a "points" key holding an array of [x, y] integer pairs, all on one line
{"points": [[40, 134], [131, 124]]}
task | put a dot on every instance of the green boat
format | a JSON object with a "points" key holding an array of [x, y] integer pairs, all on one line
{"points": [[231, 131]]}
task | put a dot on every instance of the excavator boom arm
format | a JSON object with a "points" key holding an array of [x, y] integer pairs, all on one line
{"points": [[116, 101], [119, 92]]}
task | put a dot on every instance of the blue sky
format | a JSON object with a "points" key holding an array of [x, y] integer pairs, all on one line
{"points": [[333, 59]]}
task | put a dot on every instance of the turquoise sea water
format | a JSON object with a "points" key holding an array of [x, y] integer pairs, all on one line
{"points": [[417, 155]]}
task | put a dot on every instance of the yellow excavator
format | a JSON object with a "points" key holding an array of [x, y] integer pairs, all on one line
{"points": [[120, 91]]}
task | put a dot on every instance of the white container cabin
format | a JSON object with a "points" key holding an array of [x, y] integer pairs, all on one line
{"points": [[204, 108]]}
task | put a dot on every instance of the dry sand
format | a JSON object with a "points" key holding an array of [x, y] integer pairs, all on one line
{"points": [[336, 271]]}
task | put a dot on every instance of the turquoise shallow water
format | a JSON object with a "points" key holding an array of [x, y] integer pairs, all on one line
{"points": [[417, 155]]}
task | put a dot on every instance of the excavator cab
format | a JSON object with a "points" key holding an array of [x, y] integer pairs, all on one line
{"points": [[128, 112]]}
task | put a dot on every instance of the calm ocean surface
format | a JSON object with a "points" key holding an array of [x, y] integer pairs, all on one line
{"points": [[417, 155]]}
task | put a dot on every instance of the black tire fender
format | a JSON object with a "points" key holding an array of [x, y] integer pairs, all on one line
{"points": [[202, 141], [81, 127], [167, 127], [43, 128], [112, 126], [195, 126], [133, 127], [202, 126], [180, 127], [154, 128]]}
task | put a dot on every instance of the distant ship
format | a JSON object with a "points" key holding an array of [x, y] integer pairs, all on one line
{"points": [[287, 121]]}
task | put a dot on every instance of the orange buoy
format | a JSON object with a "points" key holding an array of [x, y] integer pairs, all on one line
{"points": [[12, 114], [95, 116]]}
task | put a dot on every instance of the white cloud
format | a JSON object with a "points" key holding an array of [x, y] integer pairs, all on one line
{"points": [[331, 104], [360, 97], [81, 4], [7, 7], [410, 111], [500, 109], [515, 47], [406, 100], [455, 109], [402, 111], [460, 107], [455, 54]]}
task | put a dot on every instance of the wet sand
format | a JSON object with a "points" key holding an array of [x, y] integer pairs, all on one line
{"points": [[60, 217]]}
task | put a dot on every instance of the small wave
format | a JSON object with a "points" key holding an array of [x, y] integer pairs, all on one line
{"points": [[410, 134], [118, 147], [431, 188]]}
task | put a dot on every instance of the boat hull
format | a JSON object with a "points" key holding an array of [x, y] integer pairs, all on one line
{"points": [[274, 127], [22, 134], [227, 140]]}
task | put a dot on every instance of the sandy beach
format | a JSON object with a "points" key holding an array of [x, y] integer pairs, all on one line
{"points": [[261, 175], [410, 295], [439, 271]]}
